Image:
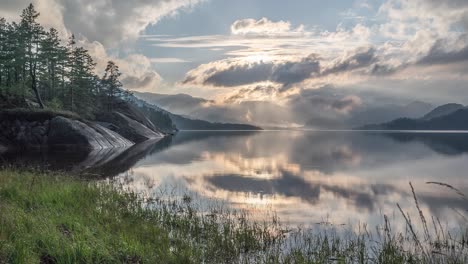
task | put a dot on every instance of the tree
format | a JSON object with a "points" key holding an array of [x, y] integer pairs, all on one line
{"points": [[3, 49], [82, 80], [112, 87], [31, 33], [54, 56], [35, 64]]}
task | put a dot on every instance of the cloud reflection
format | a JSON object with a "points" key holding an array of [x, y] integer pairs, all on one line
{"points": [[306, 177]]}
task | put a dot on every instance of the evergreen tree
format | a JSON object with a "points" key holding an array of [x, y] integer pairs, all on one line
{"points": [[111, 85], [53, 55], [31, 34], [35, 63]]}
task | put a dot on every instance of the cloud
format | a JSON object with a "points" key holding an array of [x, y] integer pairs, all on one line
{"points": [[107, 21], [444, 53], [400, 45], [324, 107], [103, 24], [359, 58], [137, 73], [260, 92], [239, 72], [231, 73], [264, 27], [168, 60]]}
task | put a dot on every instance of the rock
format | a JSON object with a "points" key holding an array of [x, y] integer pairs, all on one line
{"points": [[37, 135], [64, 132], [134, 113], [38, 130], [129, 128], [3, 144]]}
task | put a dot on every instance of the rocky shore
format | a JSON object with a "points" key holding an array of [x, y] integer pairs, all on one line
{"points": [[46, 129]]}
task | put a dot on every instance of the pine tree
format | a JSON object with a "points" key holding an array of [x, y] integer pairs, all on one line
{"points": [[31, 33], [53, 55], [112, 87], [35, 64], [82, 80]]}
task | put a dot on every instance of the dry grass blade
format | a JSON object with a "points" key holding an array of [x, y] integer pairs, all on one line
{"points": [[421, 215], [410, 226], [450, 187]]}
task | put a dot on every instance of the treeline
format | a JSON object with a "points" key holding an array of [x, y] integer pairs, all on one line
{"points": [[38, 68]]}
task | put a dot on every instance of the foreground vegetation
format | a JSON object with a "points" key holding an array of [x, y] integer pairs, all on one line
{"points": [[55, 218]]}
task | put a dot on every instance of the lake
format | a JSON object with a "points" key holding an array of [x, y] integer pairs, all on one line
{"points": [[307, 177]]}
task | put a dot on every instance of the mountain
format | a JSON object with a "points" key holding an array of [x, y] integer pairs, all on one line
{"points": [[324, 108], [457, 120], [195, 108], [386, 113], [174, 103], [184, 123], [159, 116], [443, 110]]}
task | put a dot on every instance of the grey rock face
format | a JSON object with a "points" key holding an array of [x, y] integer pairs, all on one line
{"points": [[131, 129], [67, 132], [25, 131]]}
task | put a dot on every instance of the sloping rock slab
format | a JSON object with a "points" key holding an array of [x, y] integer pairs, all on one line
{"points": [[129, 128], [134, 113], [64, 132]]}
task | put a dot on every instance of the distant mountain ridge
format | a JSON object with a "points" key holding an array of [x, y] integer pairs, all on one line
{"points": [[443, 110], [174, 103], [445, 117], [185, 123], [389, 112]]}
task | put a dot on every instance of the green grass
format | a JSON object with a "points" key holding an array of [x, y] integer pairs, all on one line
{"points": [[55, 218]]}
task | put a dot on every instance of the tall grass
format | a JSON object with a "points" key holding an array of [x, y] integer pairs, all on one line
{"points": [[54, 218]]}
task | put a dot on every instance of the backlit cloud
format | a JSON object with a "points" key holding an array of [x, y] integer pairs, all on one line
{"points": [[265, 27]]}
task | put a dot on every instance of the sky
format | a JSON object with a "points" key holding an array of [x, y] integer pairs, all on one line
{"points": [[273, 50]]}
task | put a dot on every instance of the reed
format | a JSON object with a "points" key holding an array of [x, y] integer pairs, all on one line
{"points": [[55, 218]]}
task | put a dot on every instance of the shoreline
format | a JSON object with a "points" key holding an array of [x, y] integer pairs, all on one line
{"points": [[61, 218]]}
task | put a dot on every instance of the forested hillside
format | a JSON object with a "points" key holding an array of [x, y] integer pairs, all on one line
{"points": [[37, 68]]}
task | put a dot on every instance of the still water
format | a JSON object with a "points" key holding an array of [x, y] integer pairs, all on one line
{"points": [[306, 177]]}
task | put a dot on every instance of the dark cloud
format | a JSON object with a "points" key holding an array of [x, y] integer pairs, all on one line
{"points": [[241, 73], [232, 73], [295, 72], [439, 53], [383, 69], [360, 58], [237, 73]]}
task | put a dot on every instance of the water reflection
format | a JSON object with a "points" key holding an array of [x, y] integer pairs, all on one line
{"points": [[306, 177]]}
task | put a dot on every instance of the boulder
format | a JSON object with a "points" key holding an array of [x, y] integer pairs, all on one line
{"points": [[65, 132], [129, 128], [2, 148]]}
